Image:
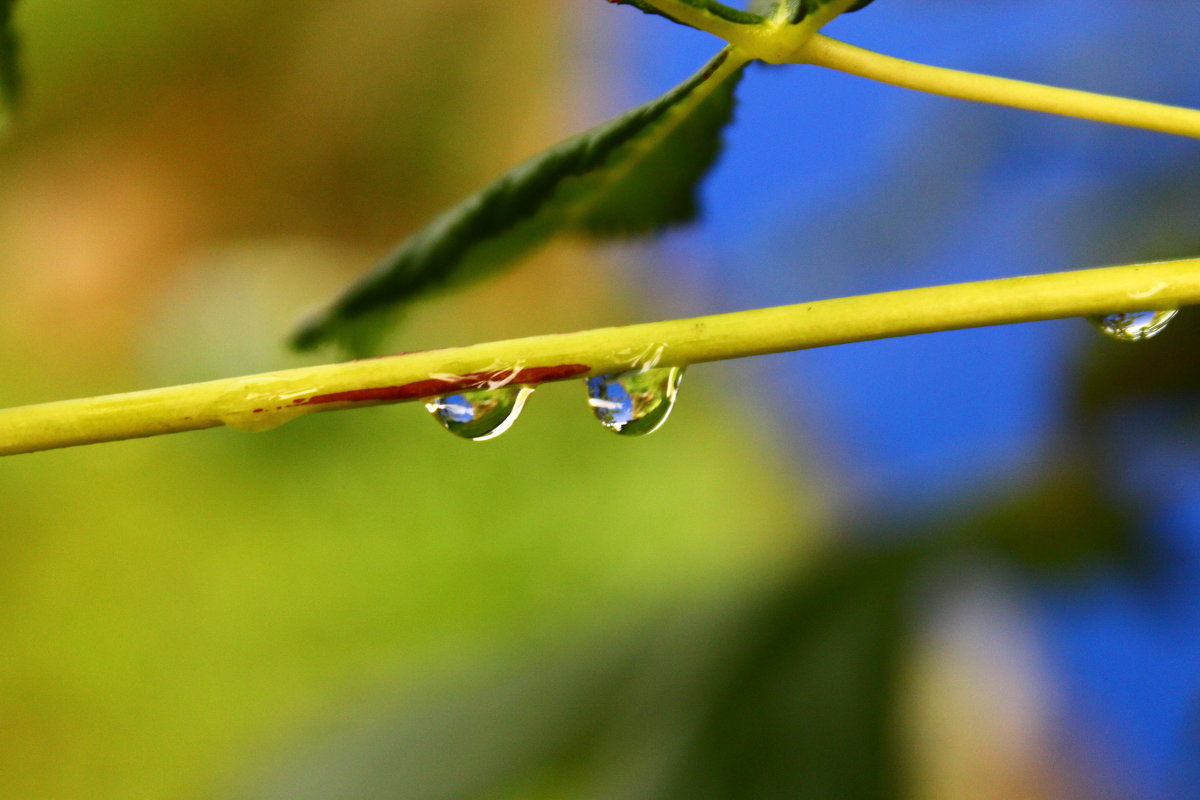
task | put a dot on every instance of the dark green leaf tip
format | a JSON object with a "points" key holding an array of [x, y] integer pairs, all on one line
{"points": [[726, 13], [10, 84]]}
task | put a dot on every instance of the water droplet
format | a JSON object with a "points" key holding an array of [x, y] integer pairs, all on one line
{"points": [[634, 403], [480, 415], [1134, 326], [258, 404], [259, 421]]}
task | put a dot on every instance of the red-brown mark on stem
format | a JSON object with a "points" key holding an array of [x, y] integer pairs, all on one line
{"points": [[432, 387]]}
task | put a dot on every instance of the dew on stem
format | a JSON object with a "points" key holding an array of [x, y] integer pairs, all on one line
{"points": [[479, 415], [254, 405], [634, 403], [260, 420], [1134, 326]]}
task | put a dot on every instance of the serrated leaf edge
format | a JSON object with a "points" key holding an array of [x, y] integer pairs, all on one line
{"points": [[353, 308]]}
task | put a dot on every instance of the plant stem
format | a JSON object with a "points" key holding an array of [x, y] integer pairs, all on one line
{"points": [[823, 51], [774, 40], [261, 402]]}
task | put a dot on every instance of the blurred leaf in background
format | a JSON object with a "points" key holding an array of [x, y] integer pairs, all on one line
{"points": [[793, 689], [10, 79]]}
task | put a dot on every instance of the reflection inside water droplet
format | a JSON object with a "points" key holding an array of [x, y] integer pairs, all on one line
{"points": [[634, 403], [1134, 326], [479, 415]]}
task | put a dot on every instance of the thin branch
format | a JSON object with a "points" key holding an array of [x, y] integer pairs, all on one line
{"points": [[261, 402], [776, 42], [826, 52]]}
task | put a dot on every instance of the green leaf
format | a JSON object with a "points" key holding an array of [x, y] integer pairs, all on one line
{"points": [[9, 75], [798, 10], [632, 175], [807, 705], [1064, 527], [707, 6]]}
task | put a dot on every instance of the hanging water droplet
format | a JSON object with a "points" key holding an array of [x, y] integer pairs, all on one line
{"points": [[262, 420], [479, 415], [634, 403], [257, 404], [1134, 326]]}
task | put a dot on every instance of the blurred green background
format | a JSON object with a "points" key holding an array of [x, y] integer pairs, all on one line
{"points": [[184, 180], [357, 605]]}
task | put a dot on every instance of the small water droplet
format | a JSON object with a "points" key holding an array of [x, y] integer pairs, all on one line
{"points": [[263, 420], [256, 404], [634, 403], [1134, 326], [480, 415]]}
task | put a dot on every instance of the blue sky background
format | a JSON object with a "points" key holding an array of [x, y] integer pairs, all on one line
{"points": [[833, 185]]}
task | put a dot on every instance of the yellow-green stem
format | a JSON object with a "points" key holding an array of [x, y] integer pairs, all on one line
{"points": [[259, 402], [826, 52]]}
